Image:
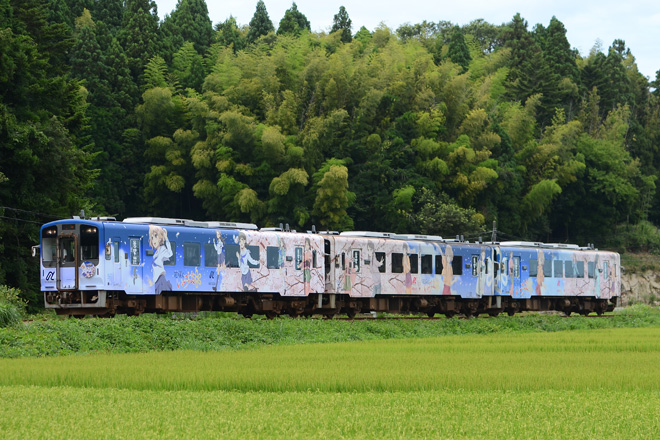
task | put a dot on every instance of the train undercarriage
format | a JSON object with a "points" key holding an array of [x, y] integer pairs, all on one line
{"points": [[110, 303]]}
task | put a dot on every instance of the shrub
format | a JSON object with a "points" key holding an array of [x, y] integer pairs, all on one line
{"points": [[9, 315], [10, 295]]}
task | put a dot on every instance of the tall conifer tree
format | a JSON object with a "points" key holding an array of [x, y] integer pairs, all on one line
{"points": [[294, 22], [342, 22], [260, 24]]}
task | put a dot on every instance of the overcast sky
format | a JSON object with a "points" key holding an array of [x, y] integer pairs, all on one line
{"points": [[637, 22]]}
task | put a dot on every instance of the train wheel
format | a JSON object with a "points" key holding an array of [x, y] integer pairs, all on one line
{"points": [[247, 315], [329, 316], [449, 315], [351, 313], [271, 314], [430, 314]]}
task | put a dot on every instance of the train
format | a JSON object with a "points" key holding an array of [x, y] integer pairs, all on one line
{"points": [[104, 267]]}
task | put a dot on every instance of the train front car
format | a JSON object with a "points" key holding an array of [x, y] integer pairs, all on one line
{"points": [[71, 273]]}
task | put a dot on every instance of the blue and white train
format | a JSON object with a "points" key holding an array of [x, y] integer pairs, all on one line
{"points": [[103, 267]]}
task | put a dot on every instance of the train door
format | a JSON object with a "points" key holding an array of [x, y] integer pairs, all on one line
{"points": [[479, 271], [116, 261], [356, 272], [135, 264], [67, 262], [329, 269], [514, 274]]}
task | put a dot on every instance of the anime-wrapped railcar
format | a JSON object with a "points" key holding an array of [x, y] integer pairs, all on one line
{"points": [[103, 267]]}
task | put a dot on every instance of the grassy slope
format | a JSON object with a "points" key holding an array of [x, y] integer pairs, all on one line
{"points": [[150, 333]]}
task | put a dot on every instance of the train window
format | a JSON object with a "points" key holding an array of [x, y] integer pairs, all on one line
{"points": [[89, 243], [254, 254], [314, 258], [172, 260], [568, 269], [192, 254], [210, 255], [108, 251], [135, 251], [397, 262], [299, 257], [116, 245], [343, 261], [427, 264], [380, 261], [606, 272], [356, 260], [516, 267], [457, 265], [231, 255], [475, 265], [547, 268], [579, 269], [414, 263], [49, 252], [559, 268], [438, 264], [591, 269], [504, 267], [533, 267], [273, 257]]}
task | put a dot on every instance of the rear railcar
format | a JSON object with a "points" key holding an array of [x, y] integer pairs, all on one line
{"points": [[560, 277]]}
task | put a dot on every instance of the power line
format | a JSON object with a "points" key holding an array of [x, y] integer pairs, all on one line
{"points": [[20, 220], [40, 214]]}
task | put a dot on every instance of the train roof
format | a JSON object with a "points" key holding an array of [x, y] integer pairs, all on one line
{"points": [[537, 244], [190, 223]]}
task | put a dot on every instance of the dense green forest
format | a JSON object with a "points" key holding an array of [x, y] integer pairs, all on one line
{"points": [[429, 128]]}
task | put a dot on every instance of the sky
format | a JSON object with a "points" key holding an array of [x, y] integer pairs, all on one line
{"points": [[637, 22]]}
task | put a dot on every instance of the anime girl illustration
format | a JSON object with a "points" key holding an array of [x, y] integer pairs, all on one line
{"points": [[375, 269], [307, 267], [244, 260], [158, 240], [540, 276], [480, 273], [219, 245], [406, 268], [447, 269]]}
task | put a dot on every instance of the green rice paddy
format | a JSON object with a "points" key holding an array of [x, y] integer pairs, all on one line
{"points": [[602, 383]]}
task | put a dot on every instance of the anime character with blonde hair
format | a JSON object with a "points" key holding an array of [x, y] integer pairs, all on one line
{"points": [[447, 269], [163, 251], [540, 276], [375, 269]]}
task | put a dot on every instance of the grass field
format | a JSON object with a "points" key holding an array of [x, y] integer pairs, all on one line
{"points": [[579, 384]]}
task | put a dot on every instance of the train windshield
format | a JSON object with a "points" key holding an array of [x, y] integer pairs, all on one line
{"points": [[89, 242], [49, 246]]}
